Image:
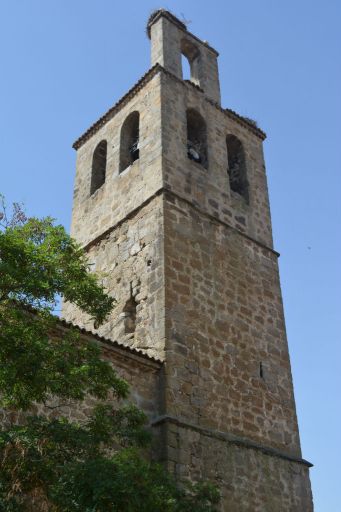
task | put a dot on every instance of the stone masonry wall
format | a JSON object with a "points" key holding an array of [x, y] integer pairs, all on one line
{"points": [[249, 479], [193, 269], [129, 261], [227, 357], [209, 189], [121, 192], [167, 42]]}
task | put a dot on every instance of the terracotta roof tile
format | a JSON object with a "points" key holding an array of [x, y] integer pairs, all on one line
{"points": [[107, 341], [157, 68], [115, 108]]}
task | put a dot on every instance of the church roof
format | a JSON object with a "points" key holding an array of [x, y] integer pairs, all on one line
{"points": [[112, 343], [157, 68]]}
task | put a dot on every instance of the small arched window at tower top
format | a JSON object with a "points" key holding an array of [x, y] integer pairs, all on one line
{"points": [[130, 141], [190, 56], [99, 164], [196, 138], [237, 166], [186, 68]]}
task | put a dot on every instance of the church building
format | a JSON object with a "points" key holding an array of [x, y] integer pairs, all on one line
{"points": [[171, 205]]}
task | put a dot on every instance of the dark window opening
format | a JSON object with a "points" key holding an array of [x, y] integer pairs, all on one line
{"points": [[196, 138], [261, 371], [130, 138], [236, 166], [99, 164], [190, 61], [130, 315]]}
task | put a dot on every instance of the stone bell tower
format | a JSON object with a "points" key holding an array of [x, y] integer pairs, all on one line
{"points": [[171, 205]]}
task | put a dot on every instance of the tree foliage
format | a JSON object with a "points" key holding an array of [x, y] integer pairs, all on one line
{"points": [[49, 462]]}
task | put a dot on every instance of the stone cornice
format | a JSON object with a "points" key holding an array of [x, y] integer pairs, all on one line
{"points": [[217, 220], [157, 68], [165, 191], [230, 438], [156, 15], [227, 111], [115, 108]]}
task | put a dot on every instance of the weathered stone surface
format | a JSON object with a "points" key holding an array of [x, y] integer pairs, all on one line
{"points": [[121, 192], [192, 265], [250, 480], [227, 318], [169, 40], [130, 261]]}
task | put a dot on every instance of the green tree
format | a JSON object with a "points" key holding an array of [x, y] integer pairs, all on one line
{"points": [[56, 464]]}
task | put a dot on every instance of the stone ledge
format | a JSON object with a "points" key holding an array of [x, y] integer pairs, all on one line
{"points": [[229, 438], [128, 216], [166, 191], [157, 68], [173, 19], [226, 111], [115, 108], [222, 222]]}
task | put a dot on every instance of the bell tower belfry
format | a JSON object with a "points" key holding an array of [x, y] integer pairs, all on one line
{"points": [[170, 39], [171, 205]]}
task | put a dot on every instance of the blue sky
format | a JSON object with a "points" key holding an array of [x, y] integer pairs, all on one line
{"points": [[63, 63]]}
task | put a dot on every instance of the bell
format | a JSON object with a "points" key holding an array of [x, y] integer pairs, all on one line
{"points": [[194, 155]]}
